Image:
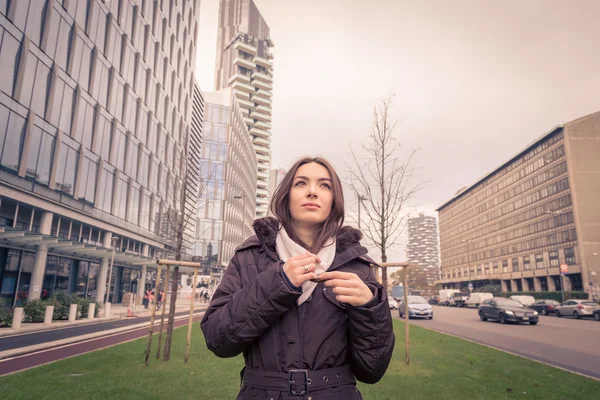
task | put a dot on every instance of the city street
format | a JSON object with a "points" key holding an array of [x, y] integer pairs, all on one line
{"points": [[564, 342], [35, 359]]}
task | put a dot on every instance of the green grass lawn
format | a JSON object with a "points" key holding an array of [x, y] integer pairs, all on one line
{"points": [[442, 367]]}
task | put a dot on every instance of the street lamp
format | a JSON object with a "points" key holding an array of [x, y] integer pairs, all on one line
{"points": [[361, 198], [112, 260], [243, 198], [592, 277], [468, 241]]}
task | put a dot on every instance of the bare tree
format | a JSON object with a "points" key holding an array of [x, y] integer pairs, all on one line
{"points": [[382, 181], [179, 220]]}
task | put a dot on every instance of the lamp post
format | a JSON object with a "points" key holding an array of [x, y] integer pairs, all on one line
{"points": [[468, 241], [243, 198], [112, 260], [592, 276], [361, 198]]}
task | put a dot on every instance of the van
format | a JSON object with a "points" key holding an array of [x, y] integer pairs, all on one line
{"points": [[475, 299], [525, 300]]}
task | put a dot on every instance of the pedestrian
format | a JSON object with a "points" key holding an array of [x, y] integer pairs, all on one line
{"points": [[300, 299], [161, 299], [145, 301], [205, 295]]}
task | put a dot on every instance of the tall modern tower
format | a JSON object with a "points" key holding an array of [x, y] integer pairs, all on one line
{"points": [[423, 246], [244, 63], [95, 115]]}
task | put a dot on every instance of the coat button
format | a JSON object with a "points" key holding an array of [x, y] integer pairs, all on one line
{"points": [[324, 289], [309, 298]]}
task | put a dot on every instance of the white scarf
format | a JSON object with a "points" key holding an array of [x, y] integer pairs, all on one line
{"points": [[287, 248]]}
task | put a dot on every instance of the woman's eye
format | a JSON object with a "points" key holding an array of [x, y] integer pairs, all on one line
{"points": [[326, 185], [299, 183]]}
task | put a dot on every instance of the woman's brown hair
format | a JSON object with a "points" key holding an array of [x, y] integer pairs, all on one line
{"points": [[280, 205]]}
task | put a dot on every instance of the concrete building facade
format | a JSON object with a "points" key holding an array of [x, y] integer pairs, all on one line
{"points": [[517, 225], [228, 172], [95, 109], [244, 63]]}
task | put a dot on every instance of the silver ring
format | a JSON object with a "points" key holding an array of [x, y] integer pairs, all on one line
{"points": [[306, 269]]}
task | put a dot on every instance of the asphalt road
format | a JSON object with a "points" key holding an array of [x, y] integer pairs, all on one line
{"points": [[564, 342], [36, 359], [29, 339]]}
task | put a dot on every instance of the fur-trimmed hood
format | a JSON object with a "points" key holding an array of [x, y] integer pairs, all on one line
{"points": [[266, 232]]}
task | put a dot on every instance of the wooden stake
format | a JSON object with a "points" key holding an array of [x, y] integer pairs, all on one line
{"points": [[151, 329], [192, 300], [406, 338], [162, 316]]}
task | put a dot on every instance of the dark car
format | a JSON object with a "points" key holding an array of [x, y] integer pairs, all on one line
{"points": [[506, 310], [597, 315], [545, 307], [433, 301]]}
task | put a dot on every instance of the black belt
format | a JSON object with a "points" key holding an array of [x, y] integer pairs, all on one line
{"points": [[298, 381]]}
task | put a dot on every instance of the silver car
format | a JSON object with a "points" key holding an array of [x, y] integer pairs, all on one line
{"points": [[418, 307], [577, 308]]}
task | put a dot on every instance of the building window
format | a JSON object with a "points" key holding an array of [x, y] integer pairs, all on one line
{"points": [[526, 263], [62, 107], [81, 61], [9, 50], [40, 155], [67, 167], [99, 90], [134, 206], [553, 256], [119, 147], [89, 174], [121, 204], [57, 275], [539, 261], [515, 264], [570, 256], [58, 35], [106, 191], [34, 92], [132, 160], [145, 212], [29, 17], [12, 128], [85, 124], [504, 265]]}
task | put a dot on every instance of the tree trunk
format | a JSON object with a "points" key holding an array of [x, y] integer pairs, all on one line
{"points": [[384, 272], [174, 287]]}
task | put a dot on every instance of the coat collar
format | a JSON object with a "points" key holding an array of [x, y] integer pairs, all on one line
{"points": [[348, 245]]}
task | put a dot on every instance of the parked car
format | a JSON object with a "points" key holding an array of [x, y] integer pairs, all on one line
{"points": [[577, 308], [475, 299], [597, 315], [460, 298], [506, 310], [545, 307], [446, 296], [525, 300], [393, 304], [417, 308], [433, 301]]}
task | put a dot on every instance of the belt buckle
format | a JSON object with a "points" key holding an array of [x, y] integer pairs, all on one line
{"points": [[291, 381]]}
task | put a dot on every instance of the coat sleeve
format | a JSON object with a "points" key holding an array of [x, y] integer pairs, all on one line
{"points": [[371, 336], [239, 314]]}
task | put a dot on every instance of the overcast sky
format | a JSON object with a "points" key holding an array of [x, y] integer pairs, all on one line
{"points": [[475, 81]]}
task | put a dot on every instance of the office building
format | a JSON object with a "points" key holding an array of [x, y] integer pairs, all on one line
{"points": [[95, 109], [228, 175], [244, 63], [517, 225]]}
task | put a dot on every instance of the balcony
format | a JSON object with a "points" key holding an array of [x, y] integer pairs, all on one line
{"points": [[260, 116], [239, 45], [264, 175], [260, 100], [241, 95], [239, 78], [249, 121], [262, 192], [263, 109], [245, 103], [262, 76], [244, 87], [259, 132], [242, 62], [262, 62], [262, 85], [262, 142], [263, 125], [263, 93], [263, 158]]}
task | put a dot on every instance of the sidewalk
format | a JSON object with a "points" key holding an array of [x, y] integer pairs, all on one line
{"points": [[117, 311]]}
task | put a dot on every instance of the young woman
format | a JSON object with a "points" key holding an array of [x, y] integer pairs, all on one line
{"points": [[300, 300]]}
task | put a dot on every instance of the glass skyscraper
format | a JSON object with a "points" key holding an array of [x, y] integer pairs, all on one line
{"points": [[95, 115]]}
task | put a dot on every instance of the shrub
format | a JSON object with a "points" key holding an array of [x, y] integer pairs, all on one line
{"points": [[61, 300], [35, 310], [97, 310], [83, 307], [6, 314]]}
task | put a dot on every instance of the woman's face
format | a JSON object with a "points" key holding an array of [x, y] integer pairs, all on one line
{"points": [[311, 196]]}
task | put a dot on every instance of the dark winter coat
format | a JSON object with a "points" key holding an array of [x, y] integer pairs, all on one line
{"points": [[254, 312]]}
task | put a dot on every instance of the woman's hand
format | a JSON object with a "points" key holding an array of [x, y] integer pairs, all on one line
{"points": [[301, 268], [348, 287]]}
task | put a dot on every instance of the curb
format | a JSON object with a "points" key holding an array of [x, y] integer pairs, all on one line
{"points": [[21, 351]]}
